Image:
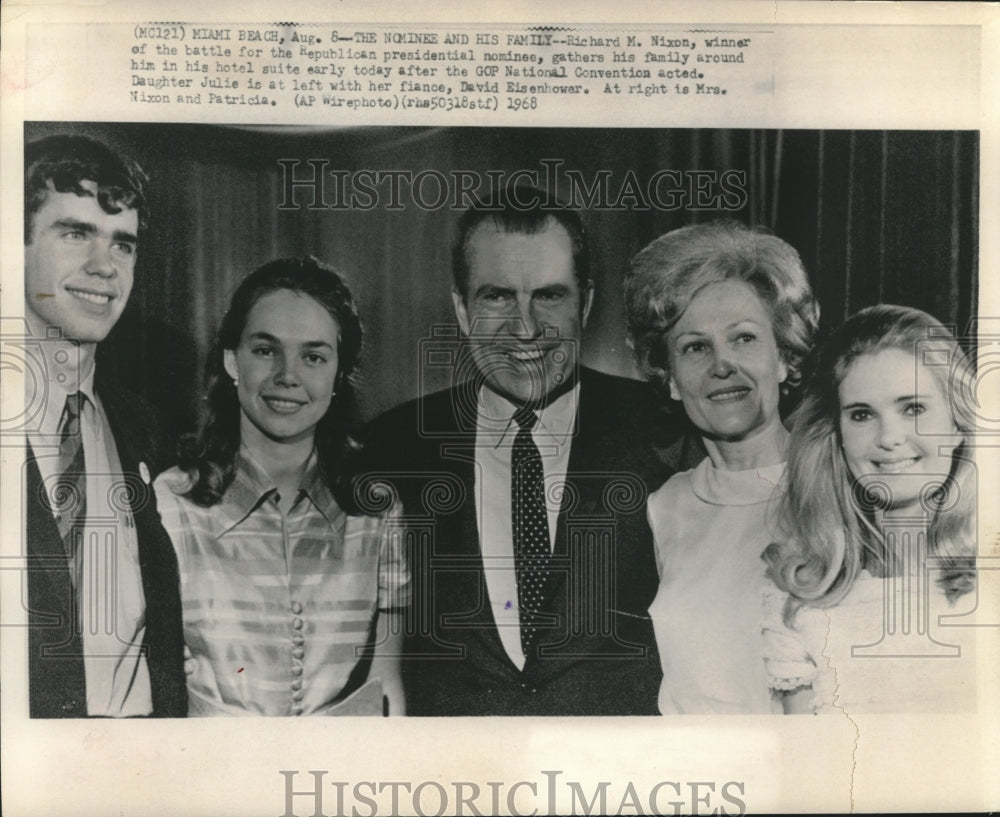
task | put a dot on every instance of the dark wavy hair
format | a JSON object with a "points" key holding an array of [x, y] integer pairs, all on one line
{"points": [[829, 534], [62, 163], [209, 457], [523, 210]]}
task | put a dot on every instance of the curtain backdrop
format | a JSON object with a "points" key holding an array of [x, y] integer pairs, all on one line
{"points": [[876, 216]]}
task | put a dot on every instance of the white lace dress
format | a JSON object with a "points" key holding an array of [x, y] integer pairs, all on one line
{"points": [[891, 646]]}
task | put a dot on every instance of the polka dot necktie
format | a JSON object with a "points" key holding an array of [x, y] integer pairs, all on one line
{"points": [[70, 493], [531, 528]]}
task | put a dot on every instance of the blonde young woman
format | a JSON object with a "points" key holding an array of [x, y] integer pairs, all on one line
{"points": [[876, 549]]}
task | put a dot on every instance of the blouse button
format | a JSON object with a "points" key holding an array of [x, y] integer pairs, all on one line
{"points": [[297, 623], [297, 684], [298, 639], [296, 607], [298, 652], [296, 668], [297, 696], [296, 709]]}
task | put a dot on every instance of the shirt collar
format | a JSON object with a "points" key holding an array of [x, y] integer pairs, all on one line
{"points": [[717, 486], [252, 485], [319, 493], [86, 387], [495, 417], [55, 402]]}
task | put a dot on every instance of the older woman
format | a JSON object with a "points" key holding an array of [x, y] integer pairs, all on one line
{"points": [[721, 317], [288, 589]]}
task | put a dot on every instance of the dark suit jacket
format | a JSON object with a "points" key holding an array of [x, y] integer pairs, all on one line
{"points": [[598, 656], [57, 688]]}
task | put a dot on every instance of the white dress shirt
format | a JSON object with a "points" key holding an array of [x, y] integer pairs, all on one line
{"points": [[113, 605], [495, 434]]}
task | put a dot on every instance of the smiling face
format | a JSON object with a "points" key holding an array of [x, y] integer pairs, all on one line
{"points": [[286, 362], [725, 366], [896, 425], [78, 266], [525, 313]]}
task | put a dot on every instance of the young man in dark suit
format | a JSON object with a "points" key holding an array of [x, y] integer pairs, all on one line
{"points": [[524, 491], [103, 600]]}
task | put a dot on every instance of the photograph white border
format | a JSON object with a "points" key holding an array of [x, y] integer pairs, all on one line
{"points": [[836, 65]]}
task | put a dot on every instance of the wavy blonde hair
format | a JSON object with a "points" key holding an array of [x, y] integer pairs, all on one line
{"points": [[827, 519], [665, 276]]}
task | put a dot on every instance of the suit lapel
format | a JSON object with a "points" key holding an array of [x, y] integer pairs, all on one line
{"points": [[470, 588], [157, 563], [577, 495], [48, 543], [57, 686], [136, 475], [122, 430]]}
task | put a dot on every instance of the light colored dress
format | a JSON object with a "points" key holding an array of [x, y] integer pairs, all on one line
{"points": [[710, 527], [276, 606], [865, 656]]}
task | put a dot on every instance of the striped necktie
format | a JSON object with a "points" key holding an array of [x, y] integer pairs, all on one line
{"points": [[532, 551], [70, 493]]}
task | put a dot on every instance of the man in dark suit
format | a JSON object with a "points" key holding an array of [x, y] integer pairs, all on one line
{"points": [[524, 491], [103, 599]]}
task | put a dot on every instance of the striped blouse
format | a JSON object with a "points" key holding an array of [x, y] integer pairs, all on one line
{"points": [[278, 606]]}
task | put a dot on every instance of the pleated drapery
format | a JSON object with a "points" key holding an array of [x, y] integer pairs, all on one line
{"points": [[876, 216]]}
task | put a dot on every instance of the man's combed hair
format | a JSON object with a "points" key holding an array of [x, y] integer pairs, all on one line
{"points": [[60, 164], [828, 530], [209, 458], [521, 210]]}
